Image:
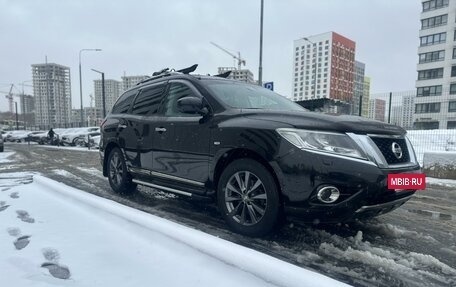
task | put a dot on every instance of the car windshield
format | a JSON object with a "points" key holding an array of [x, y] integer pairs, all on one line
{"points": [[246, 96]]}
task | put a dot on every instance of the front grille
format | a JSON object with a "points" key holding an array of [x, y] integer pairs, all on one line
{"points": [[385, 145]]}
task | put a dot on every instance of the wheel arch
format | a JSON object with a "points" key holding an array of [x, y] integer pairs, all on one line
{"points": [[227, 157], [109, 147]]}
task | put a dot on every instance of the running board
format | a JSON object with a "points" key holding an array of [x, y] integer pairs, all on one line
{"points": [[162, 187]]}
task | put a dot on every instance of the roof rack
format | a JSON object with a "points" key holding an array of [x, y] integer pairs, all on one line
{"points": [[168, 72], [223, 75]]}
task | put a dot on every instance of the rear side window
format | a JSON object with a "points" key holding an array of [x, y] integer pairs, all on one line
{"points": [[148, 101], [123, 104]]}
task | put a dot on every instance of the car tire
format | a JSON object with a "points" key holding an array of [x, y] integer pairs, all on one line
{"points": [[248, 198], [119, 178]]}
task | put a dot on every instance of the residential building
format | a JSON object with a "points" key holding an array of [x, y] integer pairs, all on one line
{"points": [[131, 81], [366, 97], [244, 75], [27, 104], [112, 92], [52, 91], [358, 88], [408, 109], [323, 67], [435, 103], [377, 109]]}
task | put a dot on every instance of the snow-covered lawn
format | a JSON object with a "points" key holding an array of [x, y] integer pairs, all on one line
{"points": [[49, 231], [432, 140]]}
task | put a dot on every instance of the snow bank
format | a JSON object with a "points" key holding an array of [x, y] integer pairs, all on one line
{"points": [[103, 243]]}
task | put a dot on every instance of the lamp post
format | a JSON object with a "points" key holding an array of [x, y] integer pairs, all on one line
{"points": [[315, 71], [80, 81], [17, 122], [103, 95], [260, 67]]}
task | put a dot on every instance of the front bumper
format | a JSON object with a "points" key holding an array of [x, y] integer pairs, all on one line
{"points": [[362, 184]]}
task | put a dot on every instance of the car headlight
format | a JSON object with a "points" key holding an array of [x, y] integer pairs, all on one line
{"points": [[335, 143]]}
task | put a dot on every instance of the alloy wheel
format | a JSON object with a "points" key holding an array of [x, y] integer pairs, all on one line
{"points": [[116, 169], [245, 198]]}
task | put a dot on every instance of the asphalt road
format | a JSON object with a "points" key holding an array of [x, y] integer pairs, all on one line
{"points": [[414, 245]]}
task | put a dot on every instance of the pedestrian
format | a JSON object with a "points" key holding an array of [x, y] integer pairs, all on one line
{"points": [[51, 134]]}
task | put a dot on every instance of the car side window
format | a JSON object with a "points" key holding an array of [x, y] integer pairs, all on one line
{"points": [[123, 103], [148, 101], [176, 91]]}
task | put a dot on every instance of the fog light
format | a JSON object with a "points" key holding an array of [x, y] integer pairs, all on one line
{"points": [[328, 194]]}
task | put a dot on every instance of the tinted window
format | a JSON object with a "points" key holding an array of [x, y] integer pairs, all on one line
{"points": [[176, 92], [123, 103], [148, 101], [246, 96]]}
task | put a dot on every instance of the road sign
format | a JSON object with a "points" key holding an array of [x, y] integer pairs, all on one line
{"points": [[269, 86]]}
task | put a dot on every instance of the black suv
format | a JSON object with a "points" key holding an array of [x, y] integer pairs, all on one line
{"points": [[254, 152]]}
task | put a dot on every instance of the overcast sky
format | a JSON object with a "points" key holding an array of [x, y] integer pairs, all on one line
{"points": [[140, 37]]}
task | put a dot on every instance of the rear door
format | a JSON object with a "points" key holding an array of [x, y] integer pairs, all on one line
{"points": [[181, 141], [125, 127], [145, 112]]}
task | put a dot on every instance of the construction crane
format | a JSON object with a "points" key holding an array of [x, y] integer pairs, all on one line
{"points": [[9, 96], [240, 61]]}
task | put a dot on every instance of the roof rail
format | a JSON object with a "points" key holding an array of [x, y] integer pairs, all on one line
{"points": [[169, 72]]}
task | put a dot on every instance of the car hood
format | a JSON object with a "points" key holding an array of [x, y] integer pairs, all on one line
{"points": [[325, 122]]}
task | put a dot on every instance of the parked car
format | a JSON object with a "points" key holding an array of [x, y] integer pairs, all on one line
{"points": [[17, 136], [76, 136], [255, 153]]}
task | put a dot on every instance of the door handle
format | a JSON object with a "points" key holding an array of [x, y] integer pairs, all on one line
{"points": [[160, 130], [120, 126]]}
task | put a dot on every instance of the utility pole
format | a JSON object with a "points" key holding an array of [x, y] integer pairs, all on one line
{"points": [[260, 67]]}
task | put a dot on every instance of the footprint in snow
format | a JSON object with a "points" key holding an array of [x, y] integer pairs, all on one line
{"points": [[55, 269], [22, 242], [14, 195], [24, 216], [51, 254], [13, 231], [3, 207]]}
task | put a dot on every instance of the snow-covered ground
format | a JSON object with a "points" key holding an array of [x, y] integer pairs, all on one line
{"points": [[55, 235], [432, 140]]}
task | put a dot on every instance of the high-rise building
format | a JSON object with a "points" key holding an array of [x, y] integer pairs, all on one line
{"points": [[112, 92], [243, 75], [366, 97], [358, 87], [52, 91], [131, 81], [435, 102], [323, 67], [27, 104], [377, 109], [408, 108]]}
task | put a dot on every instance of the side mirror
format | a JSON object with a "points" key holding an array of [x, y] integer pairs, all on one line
{"points": [[191, 105]]}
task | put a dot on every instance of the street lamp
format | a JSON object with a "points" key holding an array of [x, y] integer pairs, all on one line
{"points": [[80, 80], [260, 66], [315, 71], [103, 96]]}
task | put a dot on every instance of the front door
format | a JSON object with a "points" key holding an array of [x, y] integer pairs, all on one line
{"points": [[181, 141]]}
